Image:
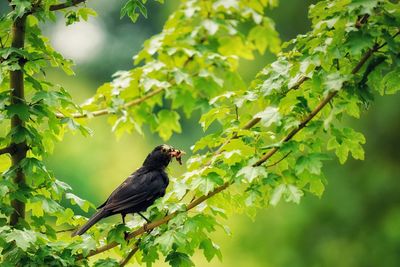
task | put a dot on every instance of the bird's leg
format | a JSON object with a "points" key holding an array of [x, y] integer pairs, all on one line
{"points": [[126, 234], [147, 222], [141, 215]]}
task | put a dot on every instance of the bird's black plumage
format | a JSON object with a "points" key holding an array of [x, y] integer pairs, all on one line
{"points": [[140, 189]]}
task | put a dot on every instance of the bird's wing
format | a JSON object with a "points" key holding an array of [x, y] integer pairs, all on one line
{"points": [[138, 188]]}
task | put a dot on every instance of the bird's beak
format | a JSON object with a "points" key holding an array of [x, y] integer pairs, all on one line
{"points": [[177, 154]]}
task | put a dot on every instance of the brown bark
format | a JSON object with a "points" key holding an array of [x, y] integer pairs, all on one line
{"points": [[17, 96]]}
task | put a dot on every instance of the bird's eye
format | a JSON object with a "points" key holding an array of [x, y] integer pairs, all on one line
{"points": [[163, 150]]}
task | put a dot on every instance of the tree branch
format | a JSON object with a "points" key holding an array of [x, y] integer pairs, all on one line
{"points": [[277, 162], [219, 189], [106, 111], [6, 150], [130, 255], [129, 104], [67, 4]]}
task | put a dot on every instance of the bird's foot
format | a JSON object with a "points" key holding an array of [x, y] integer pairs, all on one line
{"points": [[141, 215], [146, 228], [126, 236]]}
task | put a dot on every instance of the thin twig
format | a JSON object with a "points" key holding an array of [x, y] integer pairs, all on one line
{"points": [[130, 255], [277, 162], [299, 82], [129, 104], [303, 124], [106, 111], [363, 19], [65, 230], [6, 150], [67, 4]]}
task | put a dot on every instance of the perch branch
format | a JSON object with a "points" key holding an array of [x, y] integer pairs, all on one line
{"points": [[130, 255], [6, 150]]}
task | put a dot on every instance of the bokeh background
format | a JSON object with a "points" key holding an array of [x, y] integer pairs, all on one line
{"points": [[355, 223]]}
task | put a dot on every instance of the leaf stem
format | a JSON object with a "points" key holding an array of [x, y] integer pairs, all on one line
{"points": [[6, 150]]}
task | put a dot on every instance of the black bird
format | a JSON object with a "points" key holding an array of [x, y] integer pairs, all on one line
{"points": [[140, 189]]}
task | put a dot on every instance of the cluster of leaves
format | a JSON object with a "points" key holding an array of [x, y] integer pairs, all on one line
{"points": [[193, 64], [35, 241], [318, 64], [330, 62], [193, 59]]}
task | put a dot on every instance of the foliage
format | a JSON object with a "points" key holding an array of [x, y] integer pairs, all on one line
{"points": [[290, 115]]}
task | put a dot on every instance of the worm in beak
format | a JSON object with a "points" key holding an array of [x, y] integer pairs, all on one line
{"points": [[178, 155]]}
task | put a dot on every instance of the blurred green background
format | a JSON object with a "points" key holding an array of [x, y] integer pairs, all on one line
{"points": [[355, 223]]}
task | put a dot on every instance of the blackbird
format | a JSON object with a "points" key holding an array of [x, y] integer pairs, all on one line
{"points": [[140, 189]]}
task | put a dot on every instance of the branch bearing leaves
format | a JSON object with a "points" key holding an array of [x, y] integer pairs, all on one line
{"points": [[168, 122], [187, 53], [21, 7]]}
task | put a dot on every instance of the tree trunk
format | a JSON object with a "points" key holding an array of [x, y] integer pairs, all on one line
{"points": [[17, 96]]}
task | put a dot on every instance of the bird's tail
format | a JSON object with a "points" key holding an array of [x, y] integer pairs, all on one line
{"points": [[100, 214]]}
